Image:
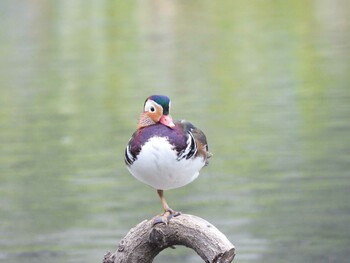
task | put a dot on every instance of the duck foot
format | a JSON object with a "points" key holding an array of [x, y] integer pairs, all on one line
{"points": [[165, 217]]}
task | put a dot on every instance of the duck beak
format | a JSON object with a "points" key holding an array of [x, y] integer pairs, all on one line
{"points": [[167, 121]]}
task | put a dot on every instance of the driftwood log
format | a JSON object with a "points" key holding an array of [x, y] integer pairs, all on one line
{"points": [[145, 241]]}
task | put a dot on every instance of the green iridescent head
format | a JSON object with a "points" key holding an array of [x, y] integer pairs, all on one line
{"points": [[163, 101]]}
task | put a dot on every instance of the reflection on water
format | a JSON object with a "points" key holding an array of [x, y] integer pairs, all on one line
{"points": [[267, 82]]}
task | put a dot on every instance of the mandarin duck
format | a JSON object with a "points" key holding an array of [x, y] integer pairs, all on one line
{"points": [[165, 154]]}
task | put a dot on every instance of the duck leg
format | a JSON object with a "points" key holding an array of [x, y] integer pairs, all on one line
{"points": [[168, 212], [165, 205]]}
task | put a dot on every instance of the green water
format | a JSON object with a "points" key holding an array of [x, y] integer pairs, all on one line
{"points": [[268, 82]]}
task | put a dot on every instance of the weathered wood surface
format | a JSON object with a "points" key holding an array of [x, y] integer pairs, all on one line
{"points": [[145, 241]]}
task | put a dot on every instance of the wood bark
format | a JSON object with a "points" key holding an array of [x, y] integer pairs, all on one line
{"points": [[145, 241]]}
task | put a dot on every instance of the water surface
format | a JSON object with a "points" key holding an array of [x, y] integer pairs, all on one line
{"points": [[267, 81]]}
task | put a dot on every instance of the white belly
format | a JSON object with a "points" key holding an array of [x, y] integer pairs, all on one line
{"points": [[157, 166]]}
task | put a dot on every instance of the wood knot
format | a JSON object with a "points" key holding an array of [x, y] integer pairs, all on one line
{"points": [[108, 257], [121, 245], [225, 257], [157, 237]]}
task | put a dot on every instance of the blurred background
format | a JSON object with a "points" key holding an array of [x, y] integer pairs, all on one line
{"points": [[267, 81]]}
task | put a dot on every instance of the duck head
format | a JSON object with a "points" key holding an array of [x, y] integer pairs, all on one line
{"points": [[156, 110]]}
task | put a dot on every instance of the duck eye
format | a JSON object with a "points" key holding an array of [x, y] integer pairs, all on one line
{"points": [[152, 109]]}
